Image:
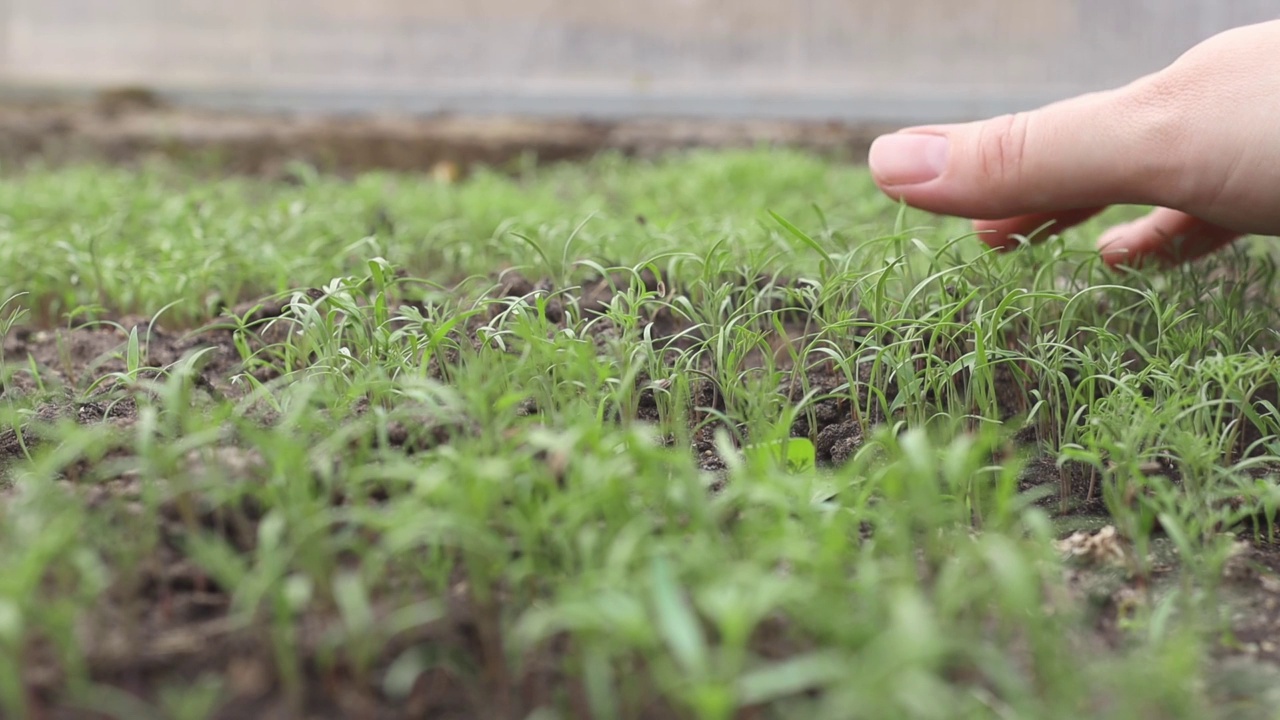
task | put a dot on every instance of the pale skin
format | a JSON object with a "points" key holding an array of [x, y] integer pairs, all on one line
{"points": [[1199, 140]]}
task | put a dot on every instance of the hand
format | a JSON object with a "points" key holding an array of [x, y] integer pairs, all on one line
{"points": [[1200, 139]]}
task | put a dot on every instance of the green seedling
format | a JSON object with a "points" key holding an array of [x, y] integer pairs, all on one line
{"points": [[796, 455], [717, 435]]}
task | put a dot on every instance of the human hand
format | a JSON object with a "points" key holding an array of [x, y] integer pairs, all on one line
{"points": [[1199, 139]]}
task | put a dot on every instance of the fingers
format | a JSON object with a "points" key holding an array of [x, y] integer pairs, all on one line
{"points": [[1164, 238], [1098, 149], [1197, 137], [1003, 234]]}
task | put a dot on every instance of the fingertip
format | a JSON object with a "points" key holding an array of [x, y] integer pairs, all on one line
{"points": [[1133, 245], [1164, 238], [1112, 243], [905, 159], [1009, 233], [995, 234]]}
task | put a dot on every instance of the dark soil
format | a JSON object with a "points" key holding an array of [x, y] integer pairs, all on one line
{"points": [[130, 125], [172, 625]]}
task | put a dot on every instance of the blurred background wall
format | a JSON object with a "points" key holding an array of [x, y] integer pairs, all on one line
{"points": [[810, 59]]}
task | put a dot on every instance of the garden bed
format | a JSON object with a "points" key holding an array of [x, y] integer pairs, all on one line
{"points": [[612, 439]]}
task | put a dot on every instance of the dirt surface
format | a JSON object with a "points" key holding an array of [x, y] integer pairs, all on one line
{"points": [[172, 625], [127, 126]]}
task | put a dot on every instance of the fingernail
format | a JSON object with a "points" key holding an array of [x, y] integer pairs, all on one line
{"points": [[907, 158], [1116, 248], [1113, 240]]}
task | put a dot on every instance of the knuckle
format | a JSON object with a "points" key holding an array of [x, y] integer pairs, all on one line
{"points": [[1002, 146], [1156, 93], [1159, 114]]}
